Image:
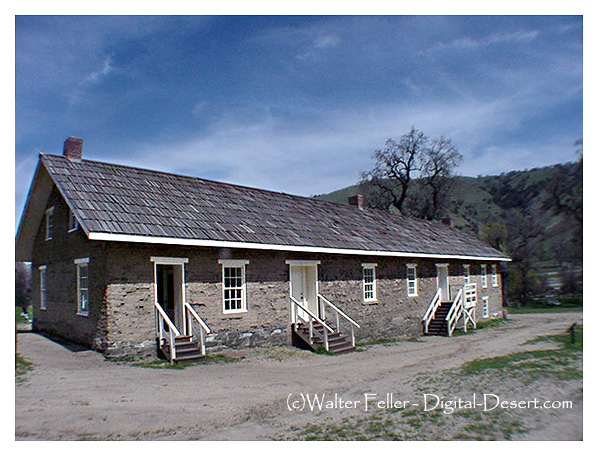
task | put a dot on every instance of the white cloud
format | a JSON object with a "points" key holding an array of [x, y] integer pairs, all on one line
{"points": [[326, 41], [95, 77], [330, 152], [498, 38], [92, 79]]}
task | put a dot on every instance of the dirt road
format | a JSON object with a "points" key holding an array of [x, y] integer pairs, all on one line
{"points": [[73, 395]]}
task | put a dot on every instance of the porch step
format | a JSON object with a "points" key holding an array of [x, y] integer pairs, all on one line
{"points": [[438, 324], [186, 350], [338, 342]]}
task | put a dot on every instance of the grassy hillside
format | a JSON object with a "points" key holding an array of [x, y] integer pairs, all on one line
{"points": [[477, 202]]}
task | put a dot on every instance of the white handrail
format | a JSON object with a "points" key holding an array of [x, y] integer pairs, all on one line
{"points": [[163, 334], [325, 328], [455, 312], [469, 305], [311, 314], [197, 318], [166, 318], [345, 316], [204, 329], [432, 308]]}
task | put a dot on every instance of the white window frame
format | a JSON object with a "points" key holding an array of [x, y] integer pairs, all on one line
{"points": [[234, 264], [483, 275], [485, 306], [79, 263], [494, 278], [49, 223], [73, 222], [466, 273], [412, 282], [369, 266], [43, 299]]}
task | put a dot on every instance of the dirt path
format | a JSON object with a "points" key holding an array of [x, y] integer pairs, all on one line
{"points": [[79, 395]]}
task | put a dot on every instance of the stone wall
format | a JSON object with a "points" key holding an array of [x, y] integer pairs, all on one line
{"points": [[130, 297]]}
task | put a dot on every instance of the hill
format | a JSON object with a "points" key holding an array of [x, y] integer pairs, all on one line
{"points": [[519, 206]]}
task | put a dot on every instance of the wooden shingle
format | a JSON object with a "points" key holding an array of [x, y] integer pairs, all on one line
{"points": [[123, 200]]}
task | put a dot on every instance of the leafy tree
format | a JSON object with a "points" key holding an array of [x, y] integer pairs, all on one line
{"points": [[495, 234], [524, 246]]}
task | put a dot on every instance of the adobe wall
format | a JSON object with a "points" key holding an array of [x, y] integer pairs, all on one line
{"points": [[129, 294], [60, 318]]}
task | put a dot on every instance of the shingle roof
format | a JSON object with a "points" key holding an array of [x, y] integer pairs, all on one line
{"points": [[120, 200]]}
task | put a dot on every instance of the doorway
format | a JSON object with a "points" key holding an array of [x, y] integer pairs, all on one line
{"points": [[443, 281], [303, 283], [169, 289]]}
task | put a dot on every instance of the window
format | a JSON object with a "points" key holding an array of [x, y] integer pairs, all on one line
{"points": [[43, 302], [412, 281], [234, 291], [369, 282], [494, 281], [73, 223], [466, 274], [82, 286], [485, 306], [483, 275], [49, 223]]}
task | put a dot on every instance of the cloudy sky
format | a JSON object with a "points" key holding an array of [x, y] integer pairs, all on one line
{"points": [[295, 104]]}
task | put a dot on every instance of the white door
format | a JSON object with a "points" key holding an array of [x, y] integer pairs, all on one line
{"points": [[304, 287], [443, 281]]}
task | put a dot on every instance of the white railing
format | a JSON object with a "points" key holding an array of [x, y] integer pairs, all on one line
{"points": [[431, 310], [469, 305], [296, 307], [455, 312], [189, 316], [166, 331], [339, 316]]}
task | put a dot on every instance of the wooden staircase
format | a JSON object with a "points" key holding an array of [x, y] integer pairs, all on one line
{"points": [[442, 317], [438, 324], [339, 343], [334, 333], [187, 350], [181, 346]]}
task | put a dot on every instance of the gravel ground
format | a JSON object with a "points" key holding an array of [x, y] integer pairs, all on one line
{"points": [[72, 394]]}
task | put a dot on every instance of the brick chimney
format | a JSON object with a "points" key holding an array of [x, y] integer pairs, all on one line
{"points": [[448, 221], [356, 200], [73, 148]]}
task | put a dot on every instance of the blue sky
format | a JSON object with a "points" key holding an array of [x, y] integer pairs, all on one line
{"points": [[295, 104]]}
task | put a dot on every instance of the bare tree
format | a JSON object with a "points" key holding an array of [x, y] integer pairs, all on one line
{"points": [[440, 160], [400, 163], [22, 284]]}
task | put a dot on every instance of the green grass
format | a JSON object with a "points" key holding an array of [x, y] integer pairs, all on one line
{"points": [[207, 360], [562, 363], [22, 367], [19, 319], [322, 351], [417, 425], [529, 366], [164, 364], [544, 309], [492, 323], [566, 303]]}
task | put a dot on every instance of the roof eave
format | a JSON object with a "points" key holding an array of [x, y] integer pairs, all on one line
{"points": [[102, 236]]}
